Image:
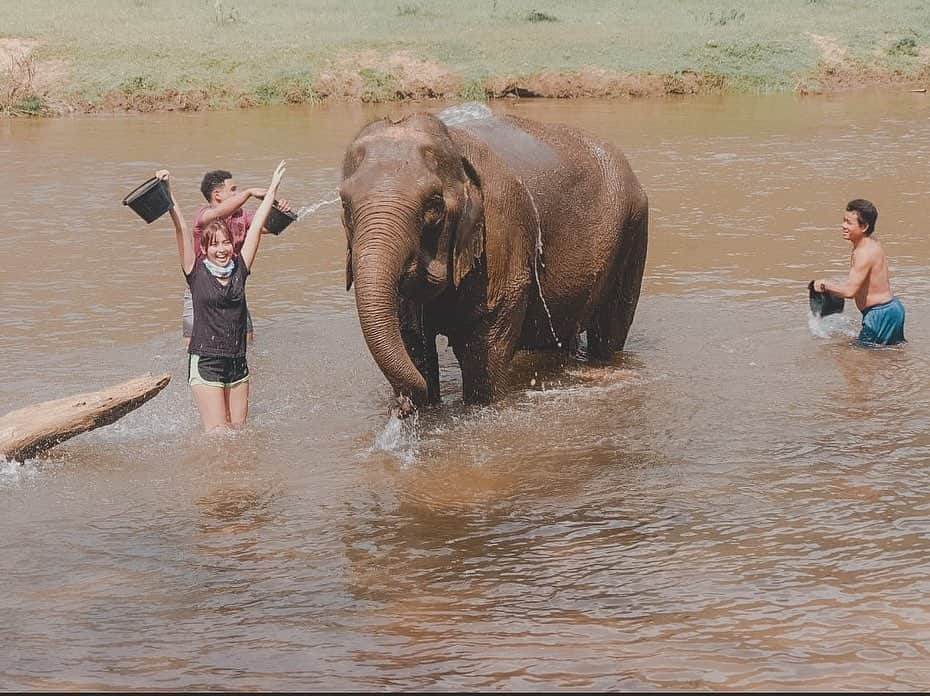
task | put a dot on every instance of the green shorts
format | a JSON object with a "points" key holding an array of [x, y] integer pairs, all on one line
{"points": [[216, 371]]}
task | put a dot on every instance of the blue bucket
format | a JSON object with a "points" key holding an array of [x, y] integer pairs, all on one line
{"points": [[150, 200]]}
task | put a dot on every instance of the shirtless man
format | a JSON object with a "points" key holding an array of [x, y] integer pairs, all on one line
{"points": [[868, 283]]}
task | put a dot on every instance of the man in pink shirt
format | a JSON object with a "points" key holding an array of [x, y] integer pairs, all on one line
{"points": [[224, 202]]}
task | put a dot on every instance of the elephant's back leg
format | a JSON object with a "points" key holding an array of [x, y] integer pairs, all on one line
{"points": [[611, 319]]}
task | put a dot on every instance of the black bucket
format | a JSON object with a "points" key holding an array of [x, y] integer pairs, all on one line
{"points": [[150, 200], [278, 219], [823, 303]]}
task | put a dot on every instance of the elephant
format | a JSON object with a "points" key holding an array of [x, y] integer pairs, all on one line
{"points": [[501, 233]]}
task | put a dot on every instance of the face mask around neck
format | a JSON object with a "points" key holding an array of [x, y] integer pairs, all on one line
{"points": [[220, 271]]}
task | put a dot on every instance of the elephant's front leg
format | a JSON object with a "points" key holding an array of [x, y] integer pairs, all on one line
{"points": [[420, 342], [471, 349], [485, 353]]}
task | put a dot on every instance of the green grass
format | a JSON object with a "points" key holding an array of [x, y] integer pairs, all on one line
{"points": [[473, 90], [276, 50]]}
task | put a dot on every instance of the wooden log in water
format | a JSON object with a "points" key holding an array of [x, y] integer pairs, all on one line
{"points": [[26, 432]]}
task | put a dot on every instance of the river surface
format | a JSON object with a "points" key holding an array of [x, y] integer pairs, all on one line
{"points": [[741, 501]]}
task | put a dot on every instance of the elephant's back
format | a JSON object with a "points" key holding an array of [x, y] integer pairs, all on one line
{"points": [[547, 157], [555, 161], [526, 154], [581, 156]]}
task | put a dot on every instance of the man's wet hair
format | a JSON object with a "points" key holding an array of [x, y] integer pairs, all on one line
{"points": [[866, 212], [212, 181]]}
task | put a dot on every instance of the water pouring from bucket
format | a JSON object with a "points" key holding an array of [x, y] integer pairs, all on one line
{"points": [[826, 316], [279, 219], [150, 200], [313, 207]]}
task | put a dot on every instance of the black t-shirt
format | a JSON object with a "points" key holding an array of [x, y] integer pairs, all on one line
{"points": [[220, 312]]}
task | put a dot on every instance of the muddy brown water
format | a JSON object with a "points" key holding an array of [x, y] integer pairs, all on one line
{"points": [[740, 501]]}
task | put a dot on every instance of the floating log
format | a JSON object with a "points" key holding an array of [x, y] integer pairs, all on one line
{"points": [[28, 431]]}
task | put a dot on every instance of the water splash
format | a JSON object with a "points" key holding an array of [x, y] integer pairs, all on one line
{"points": [[13, 473], [313, 207], [399, 437], [467, 111], [831, 325]]}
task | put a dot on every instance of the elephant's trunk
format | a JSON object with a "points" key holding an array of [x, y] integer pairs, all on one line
{"points": [[379, 256]]}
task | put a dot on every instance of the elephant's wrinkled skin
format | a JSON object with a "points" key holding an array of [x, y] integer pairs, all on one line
{"points": [[481, 232]]}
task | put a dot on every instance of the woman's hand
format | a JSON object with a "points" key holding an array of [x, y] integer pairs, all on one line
{"points": [[162, 174]]}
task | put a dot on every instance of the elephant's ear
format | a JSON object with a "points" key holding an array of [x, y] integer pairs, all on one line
{"points": [[505, 232], [348, 267], [469, 234]]}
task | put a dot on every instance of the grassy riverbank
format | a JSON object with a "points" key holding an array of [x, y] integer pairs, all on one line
{"points": [[91, 55]]}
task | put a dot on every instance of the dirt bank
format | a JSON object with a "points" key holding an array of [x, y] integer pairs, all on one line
{"points": [[29, 87]]}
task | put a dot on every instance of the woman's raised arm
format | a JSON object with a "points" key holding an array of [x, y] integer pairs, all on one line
{"points": [[254, 236], [184, 238]]}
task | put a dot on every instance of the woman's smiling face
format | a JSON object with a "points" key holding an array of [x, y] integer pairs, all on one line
{"points": [[220, 249]]}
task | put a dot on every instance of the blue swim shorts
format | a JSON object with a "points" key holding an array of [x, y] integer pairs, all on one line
{"points": [[883, 324]]}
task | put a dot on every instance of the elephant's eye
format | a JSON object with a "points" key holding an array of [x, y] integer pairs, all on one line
{"points": [[433, 211]]}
